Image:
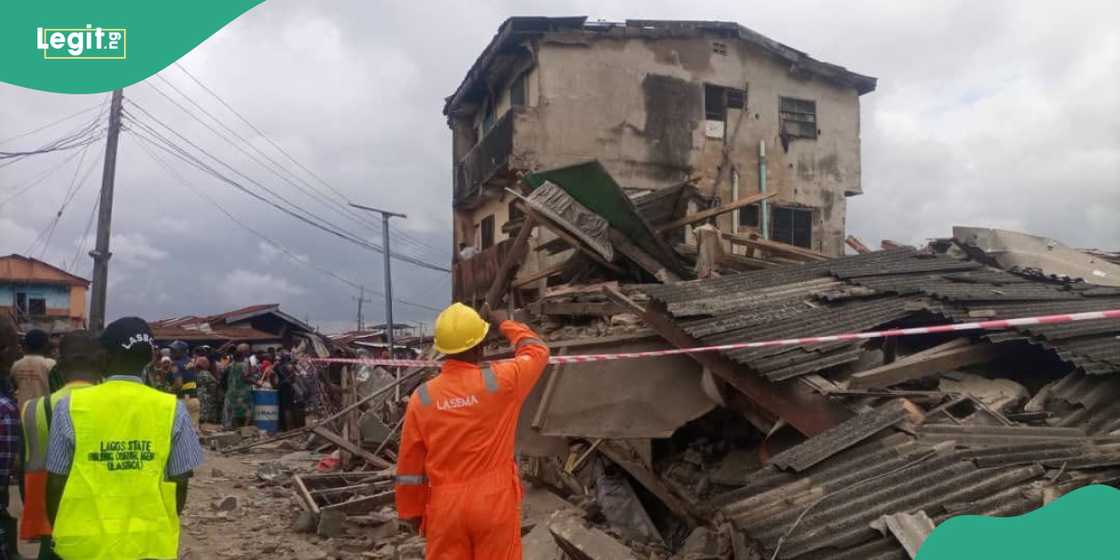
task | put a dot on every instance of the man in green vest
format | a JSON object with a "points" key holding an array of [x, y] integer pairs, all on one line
{"points": [[119, 457], [81, 363]]}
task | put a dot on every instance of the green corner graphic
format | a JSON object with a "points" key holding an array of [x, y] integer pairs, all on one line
{"points": [[1079, 526], [91, 46]]}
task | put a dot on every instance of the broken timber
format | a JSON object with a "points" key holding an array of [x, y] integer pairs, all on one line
{"points": [[775, 247], [947, 357], [713, 212], [509, 266], [808, 412], [643, 259], [349, 446]]}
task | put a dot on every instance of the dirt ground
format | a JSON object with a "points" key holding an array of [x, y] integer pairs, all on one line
{"points": [[262, 523]]}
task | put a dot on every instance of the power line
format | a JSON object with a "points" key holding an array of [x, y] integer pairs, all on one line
{"points": [[314, 194], [310, 218], [42, 177], [75, 185], [343, 198], [292, 256], [50, 124]]}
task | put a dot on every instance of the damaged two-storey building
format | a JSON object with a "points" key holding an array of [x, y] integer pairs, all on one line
{"points": [[659, 103]]}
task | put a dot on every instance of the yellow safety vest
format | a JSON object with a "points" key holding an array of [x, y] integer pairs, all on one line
{"points": [[33, 522], [117, 503]]}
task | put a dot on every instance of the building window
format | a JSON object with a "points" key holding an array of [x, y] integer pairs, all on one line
{"points": [[718, 99], [37, 307], [798, 117], [21, 303], [792, 225], [719, 48], [487, 232], [748, 216], [517, 91]]}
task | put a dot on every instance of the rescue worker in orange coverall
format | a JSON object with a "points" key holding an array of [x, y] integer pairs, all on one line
{"points": [[457, 481]]}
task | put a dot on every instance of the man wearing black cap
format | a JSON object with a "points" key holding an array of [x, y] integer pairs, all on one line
{"points": [[119, 456]]}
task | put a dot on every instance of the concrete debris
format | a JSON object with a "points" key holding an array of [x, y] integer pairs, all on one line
{"points": [[306, 522], [227, 504], [331, 523], [585, 543]]}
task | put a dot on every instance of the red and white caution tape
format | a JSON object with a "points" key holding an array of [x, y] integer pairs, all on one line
{"points": [[953, 327]]}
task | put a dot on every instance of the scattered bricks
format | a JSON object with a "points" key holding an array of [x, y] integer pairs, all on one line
{"points": [[217, 473], [331, 523], [222, 440]]}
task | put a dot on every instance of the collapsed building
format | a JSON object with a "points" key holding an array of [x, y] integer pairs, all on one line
{"points": [[659, 104]]}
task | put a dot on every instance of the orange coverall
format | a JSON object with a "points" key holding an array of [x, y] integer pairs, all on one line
{"points": [[456, 469]]}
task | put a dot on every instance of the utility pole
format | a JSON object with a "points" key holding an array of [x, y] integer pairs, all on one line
{"points": [[101, 252], [362, 299], [385, 215]]}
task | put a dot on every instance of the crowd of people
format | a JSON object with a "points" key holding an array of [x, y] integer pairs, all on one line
{"points": [[101, 409], [217, 384]]}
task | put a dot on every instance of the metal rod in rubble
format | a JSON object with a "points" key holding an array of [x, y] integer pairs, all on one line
{"points": [[385, 215]]}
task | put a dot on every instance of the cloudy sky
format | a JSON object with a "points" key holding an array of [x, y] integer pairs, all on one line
{"points": [[997, 113]]}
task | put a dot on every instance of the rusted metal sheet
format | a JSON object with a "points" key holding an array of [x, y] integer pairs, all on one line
{"points": [[843, 436]]}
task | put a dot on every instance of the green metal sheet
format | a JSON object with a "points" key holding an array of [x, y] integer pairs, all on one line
{"points": [[592, 186]]}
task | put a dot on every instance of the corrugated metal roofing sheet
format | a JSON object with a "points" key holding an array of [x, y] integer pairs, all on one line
{"points": [[831, 442]]}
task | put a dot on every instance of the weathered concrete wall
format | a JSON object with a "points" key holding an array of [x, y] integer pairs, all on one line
{"points": [[637, 105]]}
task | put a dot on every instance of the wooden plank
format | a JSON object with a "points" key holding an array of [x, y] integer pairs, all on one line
{"points": [[349, 447], [542, 274], [805, 410], [857, 245], [622, 455], [568, 308], [654, 267], [305, 496], [783, 249], [713, 212], [572, 240], [911, 368], [364, 504], [510, 264]]}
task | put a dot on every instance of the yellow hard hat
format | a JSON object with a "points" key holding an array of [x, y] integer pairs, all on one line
{"points": [[459, 328]]}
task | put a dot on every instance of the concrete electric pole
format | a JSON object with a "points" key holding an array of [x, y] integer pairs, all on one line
{"points": [[385, 215], [101, 252]]}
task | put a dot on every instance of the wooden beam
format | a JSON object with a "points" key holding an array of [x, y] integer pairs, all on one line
{"points": [[566, 308], [857, 245], [923, 365], [349, 447], [643, 259], [542, 274], [805, 410], [510, 265], [713, 212], [572, 240], [784, 249]]}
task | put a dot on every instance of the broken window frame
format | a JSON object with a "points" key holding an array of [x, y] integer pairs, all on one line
{"points": [[799, 231], [486, 232], [798, 118], [718, 99]]}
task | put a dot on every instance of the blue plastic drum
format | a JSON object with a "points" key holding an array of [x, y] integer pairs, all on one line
{"points": [[266, 410]]}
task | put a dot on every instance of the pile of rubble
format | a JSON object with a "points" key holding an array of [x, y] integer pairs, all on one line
{"points": [[845, 448]]}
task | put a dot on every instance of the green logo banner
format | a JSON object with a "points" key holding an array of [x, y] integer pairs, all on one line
{"points": [[91, 46], [1080, 525]]}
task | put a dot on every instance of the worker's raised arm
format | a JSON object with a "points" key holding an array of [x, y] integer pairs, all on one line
{"points": [[530, 355], [411, 482]]}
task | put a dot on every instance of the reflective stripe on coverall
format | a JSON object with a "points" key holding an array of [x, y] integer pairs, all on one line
{"points": [[456, 467]]}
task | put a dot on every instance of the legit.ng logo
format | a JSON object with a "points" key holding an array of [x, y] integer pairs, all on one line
{"points": [[88, 43]]}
